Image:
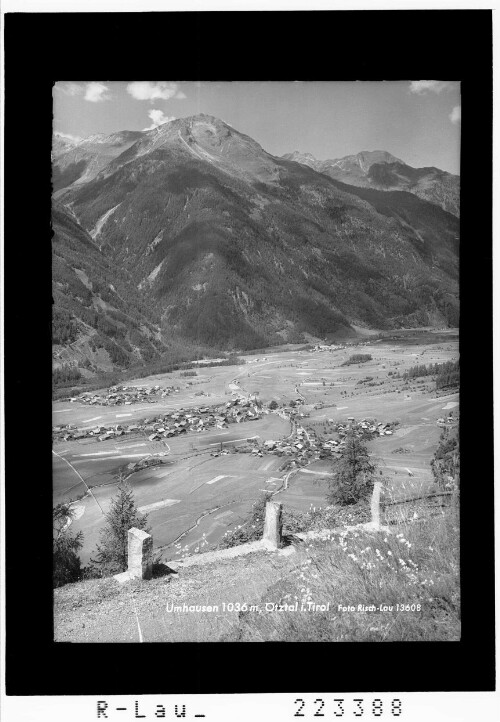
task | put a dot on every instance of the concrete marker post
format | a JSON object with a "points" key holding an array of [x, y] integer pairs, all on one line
{"points": [[375, 505], [140, 554], [273, 524]]}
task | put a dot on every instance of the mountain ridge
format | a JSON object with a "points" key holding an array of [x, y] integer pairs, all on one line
{"points": [[236, 248], [383, 171]]}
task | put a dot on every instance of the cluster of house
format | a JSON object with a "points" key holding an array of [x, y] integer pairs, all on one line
{"points": [[70, 432], [142, 464], [126, 395], [304, 446], [171, 424], [301, 447], [197, 420], [366, 427], [326, 347], [446, 421], [339, 347]]}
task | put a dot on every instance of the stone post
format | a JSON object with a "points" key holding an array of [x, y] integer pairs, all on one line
{"points": [[375, 505], [140, 554], [273, 524]]}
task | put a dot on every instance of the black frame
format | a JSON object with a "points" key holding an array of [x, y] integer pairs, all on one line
{"points": [[361, 45]]}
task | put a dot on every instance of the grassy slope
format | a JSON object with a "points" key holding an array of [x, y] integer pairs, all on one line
{"points": [[418, 564]]}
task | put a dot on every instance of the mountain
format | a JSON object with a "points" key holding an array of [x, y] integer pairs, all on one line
{"points": [[431, 184], [383, 171], [233, 248], [99, 318], [352, 169], [74, 163]]}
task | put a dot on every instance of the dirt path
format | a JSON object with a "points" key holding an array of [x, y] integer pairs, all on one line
{"points": [[89, 490]]}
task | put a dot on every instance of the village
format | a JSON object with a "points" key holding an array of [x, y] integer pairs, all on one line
{"points": [[172, 424], [301, 447], [126, 395], [304, 445]]}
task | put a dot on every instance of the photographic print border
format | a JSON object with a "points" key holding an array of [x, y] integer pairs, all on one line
{"points": [[358, 45]]}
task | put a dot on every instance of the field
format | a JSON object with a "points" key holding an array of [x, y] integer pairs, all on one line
{"points": [[194, 496]]}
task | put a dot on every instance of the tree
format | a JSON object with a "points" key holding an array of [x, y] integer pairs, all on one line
{"points": [[273, 404], [65, 560], [445, 464], [112, 550], [353, 473]]}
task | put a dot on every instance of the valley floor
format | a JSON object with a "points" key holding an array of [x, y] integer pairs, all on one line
{"points": [[198, 496]]}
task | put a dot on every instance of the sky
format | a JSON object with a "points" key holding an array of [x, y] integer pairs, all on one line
{"points": [[417, 121]]}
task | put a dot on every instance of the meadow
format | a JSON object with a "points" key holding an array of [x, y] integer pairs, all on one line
{"points": [[199, 497]]}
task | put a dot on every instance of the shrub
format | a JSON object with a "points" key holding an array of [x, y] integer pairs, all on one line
{"points": [[417, 567], [357, 358], [64, 327], [66, 375], [65, 560], [445, 464], [253, 528]]}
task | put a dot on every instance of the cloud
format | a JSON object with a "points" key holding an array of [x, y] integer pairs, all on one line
{"points": [[68, 136], [154, 90], [456, 114], [97, 92], [159, 118], [420, 87], [69, 88], [94, 92]]}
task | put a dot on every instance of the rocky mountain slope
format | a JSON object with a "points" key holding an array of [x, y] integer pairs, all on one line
{"points": [[74, 163], [234, 248], [100, 319], [381, 170]]}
